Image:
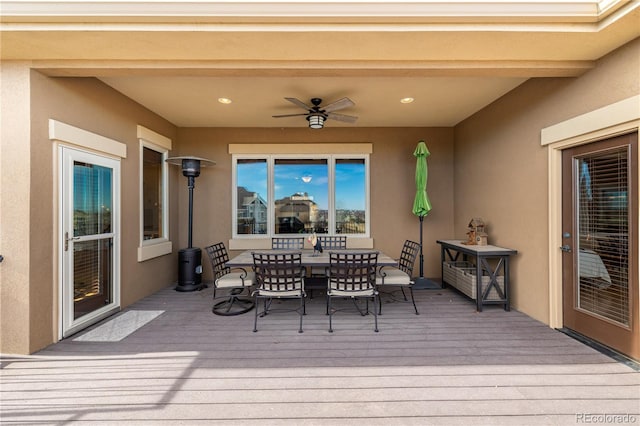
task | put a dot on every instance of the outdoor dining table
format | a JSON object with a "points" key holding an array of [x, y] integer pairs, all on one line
{"points": [[309, 257]]}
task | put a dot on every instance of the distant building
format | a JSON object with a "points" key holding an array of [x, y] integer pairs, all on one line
{"points": [[296, 213], [252, 212]]}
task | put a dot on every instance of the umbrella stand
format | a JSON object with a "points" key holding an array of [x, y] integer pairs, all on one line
{"points": [[421, 282]]}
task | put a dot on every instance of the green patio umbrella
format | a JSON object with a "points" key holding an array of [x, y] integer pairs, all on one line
{"points": [[421, 203]]}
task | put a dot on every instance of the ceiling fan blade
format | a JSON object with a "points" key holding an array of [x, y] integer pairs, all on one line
{"points": [[299, 103], [339, 104], [289, 115], [342, 117]]}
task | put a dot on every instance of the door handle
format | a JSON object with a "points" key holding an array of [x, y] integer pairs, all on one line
{"points": [[67, 239], [566, 248]]}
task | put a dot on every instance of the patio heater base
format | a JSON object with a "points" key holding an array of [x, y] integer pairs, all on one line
{"points": [[190, 270]]}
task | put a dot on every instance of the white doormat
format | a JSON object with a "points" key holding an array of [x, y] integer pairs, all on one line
{"points": [[119, 327]]}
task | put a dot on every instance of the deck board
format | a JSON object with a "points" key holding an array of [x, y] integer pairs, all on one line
{"points": [[449, 365]]}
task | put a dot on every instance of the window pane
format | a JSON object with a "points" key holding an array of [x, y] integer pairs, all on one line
{"points": [[301, 196], [92, 199], [251, 184], [92, 280], [152, 190], [603, 212], [350, 191]]}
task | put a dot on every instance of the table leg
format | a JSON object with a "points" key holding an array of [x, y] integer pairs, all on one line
{"points": [[507, 305], [479, 298]]}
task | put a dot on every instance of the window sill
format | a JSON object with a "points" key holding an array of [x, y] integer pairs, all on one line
{"points": [[151, 251]]}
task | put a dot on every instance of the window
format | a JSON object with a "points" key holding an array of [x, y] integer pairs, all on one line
{"points": [[294, 194], [301, 188], [154, 211], [251, 196], [350, 196], [153, 165]]}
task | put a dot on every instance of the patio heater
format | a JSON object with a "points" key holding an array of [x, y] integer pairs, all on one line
{"points": [[190, 258]]}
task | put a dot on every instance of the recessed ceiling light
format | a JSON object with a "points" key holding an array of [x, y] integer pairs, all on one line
{"points": [[406, 100], [224, 100]]}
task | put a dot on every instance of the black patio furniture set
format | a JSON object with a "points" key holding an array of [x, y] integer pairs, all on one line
{"points": [[255, 278]]}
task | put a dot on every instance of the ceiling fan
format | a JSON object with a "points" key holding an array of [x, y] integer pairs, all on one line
{"points": [[316, 114]]}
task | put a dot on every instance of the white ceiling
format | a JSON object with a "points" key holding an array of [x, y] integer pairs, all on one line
{"points": [[178, 58]]}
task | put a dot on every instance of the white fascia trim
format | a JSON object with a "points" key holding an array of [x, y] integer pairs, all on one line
{"points": [[463, 9]]}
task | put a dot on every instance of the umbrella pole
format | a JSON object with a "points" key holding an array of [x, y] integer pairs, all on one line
{"points": [[421, 255]]}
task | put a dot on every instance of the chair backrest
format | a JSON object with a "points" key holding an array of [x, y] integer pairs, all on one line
{"points": [[278, 271], [329, 242], [352, 271], [287, 243], [218, 257], [410, 250]]}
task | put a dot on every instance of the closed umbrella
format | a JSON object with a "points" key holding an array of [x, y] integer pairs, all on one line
{"points": [[421, 203]]}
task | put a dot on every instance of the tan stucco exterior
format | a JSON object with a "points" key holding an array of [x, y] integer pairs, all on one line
{"points": [[501, 168], [490, 165]]}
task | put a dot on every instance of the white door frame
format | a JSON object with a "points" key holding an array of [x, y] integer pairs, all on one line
{"points": [[63, 134]]}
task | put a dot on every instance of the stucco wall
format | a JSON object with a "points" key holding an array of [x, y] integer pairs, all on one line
{"points": [[14, 208], [392, 182], [497, 170], [501, 168], [93, 106]]}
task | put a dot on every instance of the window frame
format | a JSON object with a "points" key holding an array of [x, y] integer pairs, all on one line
{"points": [[270, 160], [155, 247]]}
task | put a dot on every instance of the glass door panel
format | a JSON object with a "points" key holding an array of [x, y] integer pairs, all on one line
{"points": [[89, 288]]}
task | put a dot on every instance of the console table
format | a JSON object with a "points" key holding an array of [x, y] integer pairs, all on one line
{"points": [[482, 273]]}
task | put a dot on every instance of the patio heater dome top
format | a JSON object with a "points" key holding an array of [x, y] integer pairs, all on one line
{"points": [[178, 160], [190, 165]]}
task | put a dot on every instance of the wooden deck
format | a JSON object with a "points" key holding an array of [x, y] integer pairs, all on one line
{"points": [[449, 365]]}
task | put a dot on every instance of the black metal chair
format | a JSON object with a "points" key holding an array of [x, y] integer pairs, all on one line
{"points": [[333, 242], [352, 274], [278, 276], [287, 243], [235, 281], [389, 276], [329, 242]]}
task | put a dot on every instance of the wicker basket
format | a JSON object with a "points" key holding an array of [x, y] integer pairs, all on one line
{"points": [[466, 283], [449, 269]]}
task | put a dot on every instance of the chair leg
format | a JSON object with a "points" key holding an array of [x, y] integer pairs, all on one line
{"points": [[328, 303], [255, 320], [375, 313], [414, 301], [302, 313], [403, 295], [330, 312], [304, 304], [233, 304]]}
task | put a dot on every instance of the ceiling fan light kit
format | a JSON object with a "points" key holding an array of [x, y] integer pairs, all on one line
{"points": [[316, 115], [316, 121]]}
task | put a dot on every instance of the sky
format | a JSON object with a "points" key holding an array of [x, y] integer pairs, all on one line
{"points": [[350, 179]]}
